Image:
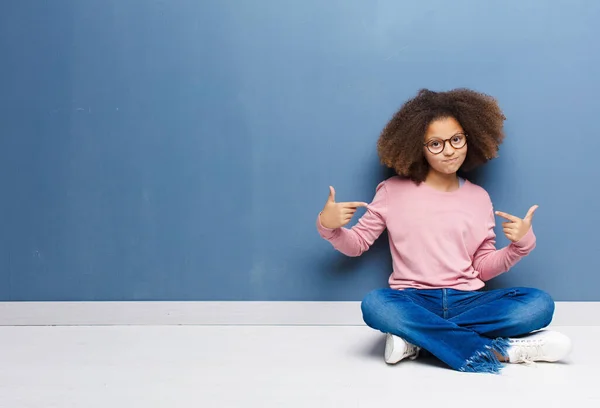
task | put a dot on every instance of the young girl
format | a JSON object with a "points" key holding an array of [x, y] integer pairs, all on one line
{"points": [[442, 242]]}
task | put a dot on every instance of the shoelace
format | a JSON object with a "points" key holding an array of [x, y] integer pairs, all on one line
{"points": [[527, 352], [411, 351]]}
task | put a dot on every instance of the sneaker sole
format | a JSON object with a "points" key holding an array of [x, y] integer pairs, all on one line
{"points": [[389, 349]]}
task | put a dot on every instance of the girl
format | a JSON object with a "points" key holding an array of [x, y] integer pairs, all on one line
{"points": [[442, 242]]}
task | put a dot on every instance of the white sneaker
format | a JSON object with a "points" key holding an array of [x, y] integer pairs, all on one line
{"points": [[397, 349], [540, 346]]}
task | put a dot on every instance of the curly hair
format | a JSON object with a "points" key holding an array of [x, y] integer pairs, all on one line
{"points": [[400, 145]]}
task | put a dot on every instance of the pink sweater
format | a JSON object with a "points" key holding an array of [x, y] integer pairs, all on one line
{"points": [[437, 239]]}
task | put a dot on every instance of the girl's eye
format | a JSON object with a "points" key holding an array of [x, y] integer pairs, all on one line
{"points": [[434, 144]]}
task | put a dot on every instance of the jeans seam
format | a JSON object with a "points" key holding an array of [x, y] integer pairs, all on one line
{"points": [[445, 303]]}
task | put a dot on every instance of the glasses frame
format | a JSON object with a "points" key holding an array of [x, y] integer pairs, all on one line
{"points": [[447, 140]]}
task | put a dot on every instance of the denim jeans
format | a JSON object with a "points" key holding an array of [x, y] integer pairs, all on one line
{"points": [[460, 328]]}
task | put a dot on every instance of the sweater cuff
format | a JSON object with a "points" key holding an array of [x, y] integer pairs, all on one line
{"points": [[325, 232], [527, 242]]}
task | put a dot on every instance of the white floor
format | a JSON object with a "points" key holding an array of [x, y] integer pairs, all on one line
{"points": [[266, 366]]}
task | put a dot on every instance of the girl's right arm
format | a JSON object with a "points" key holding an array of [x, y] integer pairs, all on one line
{"points": [[358, 239]]}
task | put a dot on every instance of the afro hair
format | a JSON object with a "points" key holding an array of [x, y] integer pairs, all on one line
{"points": [[400, 145]]}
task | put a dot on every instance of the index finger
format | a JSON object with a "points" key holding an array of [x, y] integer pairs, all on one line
{"points": [[354, 204], [508, 216]]}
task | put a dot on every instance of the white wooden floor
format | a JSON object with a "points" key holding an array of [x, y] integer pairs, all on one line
{"points": [[266, 366]]}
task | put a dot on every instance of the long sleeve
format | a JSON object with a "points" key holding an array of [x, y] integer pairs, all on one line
{"points": [[491, 262], [358, 239]]}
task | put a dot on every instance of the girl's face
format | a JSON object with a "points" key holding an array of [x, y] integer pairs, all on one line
{"points": [[445, 145]]}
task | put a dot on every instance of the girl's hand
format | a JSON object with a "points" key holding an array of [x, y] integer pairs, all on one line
{"points": [[516, 228], [336, 215]]}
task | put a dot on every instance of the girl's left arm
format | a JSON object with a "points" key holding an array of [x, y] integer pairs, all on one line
{"points": [[491, 262]]}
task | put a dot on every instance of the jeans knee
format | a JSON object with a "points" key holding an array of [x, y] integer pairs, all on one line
{"points": [[539, 309], [371, 305], [544, 304], [383, 308]]}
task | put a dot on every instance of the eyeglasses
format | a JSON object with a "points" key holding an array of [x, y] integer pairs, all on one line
{"points": [[436, 146]]}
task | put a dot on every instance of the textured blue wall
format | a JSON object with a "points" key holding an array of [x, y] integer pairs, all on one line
{"points": [[181, 150]]}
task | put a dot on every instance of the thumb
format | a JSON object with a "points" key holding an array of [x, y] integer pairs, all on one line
{"points": [[529, 215], [331, 197]]}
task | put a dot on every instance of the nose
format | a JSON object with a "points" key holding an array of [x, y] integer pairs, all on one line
{"points": [[448, 149]]}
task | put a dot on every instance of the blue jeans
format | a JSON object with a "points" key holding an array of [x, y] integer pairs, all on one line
{"points": [[461, 328]]}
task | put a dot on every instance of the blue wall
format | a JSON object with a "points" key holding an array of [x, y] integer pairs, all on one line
{"points": [[180, 150]]}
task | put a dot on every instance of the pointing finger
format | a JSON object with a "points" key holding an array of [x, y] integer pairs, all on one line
{"points": [[354, 204], [507, 216]]}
